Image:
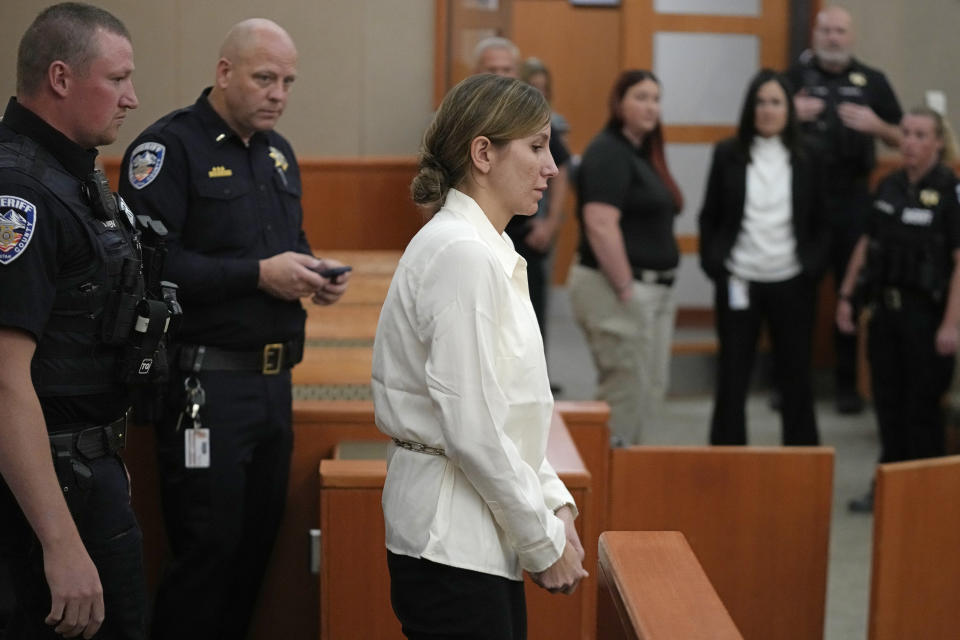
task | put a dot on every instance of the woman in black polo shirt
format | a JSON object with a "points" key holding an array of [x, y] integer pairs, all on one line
{"points": [[621, 289]]}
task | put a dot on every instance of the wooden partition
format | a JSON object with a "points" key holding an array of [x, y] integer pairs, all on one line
{"points": [[757, 518], [915, 585], [288, 603], [653, 588], [354, 583]]}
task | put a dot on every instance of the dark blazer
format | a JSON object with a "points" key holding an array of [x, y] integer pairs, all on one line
{"points": [[721, 216]]}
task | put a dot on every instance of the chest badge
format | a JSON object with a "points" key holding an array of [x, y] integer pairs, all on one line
{"points": [[146, 160], [857, 79], [18, 219], [219, 171], [929, 197], [279, 160]]}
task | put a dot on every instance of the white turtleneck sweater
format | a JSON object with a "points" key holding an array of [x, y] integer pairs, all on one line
{"points": [[766, 249]]}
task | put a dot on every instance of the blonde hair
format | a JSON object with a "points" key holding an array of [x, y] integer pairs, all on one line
{"points": [[942, 128], [501, 109]]}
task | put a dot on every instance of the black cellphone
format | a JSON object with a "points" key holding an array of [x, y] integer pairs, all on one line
{"points": [[334, 272]]}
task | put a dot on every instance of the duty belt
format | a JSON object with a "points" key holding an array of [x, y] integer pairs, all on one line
{"points": [[92, 442], [895, 298], [269, 359]]}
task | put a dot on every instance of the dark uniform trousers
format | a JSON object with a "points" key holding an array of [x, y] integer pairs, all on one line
{"points": [[222, 521], [788, 308], [847, 213], [908, 379], [101, 509]]}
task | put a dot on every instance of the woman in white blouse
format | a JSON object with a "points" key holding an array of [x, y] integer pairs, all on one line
{"points": [[460, 381], [763, 243]]}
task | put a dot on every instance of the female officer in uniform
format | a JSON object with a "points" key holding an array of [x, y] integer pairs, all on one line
{"points": [[460, 381], [905, 268], [621, 290]]}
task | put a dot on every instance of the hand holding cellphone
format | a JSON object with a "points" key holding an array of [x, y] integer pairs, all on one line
{"points": [[333, 272]]}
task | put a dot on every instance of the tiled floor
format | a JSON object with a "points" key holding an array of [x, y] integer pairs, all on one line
{"points": [[685, 422]]}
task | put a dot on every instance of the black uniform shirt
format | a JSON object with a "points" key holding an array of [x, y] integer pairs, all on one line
{"points": [[226, 205], [615, 172], [849, 155], [913, 213], [58, 247]]}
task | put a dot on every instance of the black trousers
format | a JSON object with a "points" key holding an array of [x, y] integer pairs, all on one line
{"points": [[846, 213], [222, 521], [101, 509], [538, 283], [908, 380], [788, 309], [439, 602]]}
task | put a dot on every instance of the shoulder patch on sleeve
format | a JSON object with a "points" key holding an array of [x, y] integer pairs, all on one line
{"points": [[146, 161], [18, 220]]}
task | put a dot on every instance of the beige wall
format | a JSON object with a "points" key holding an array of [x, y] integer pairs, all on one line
{"points": [[914, 43], [365, 70], [366, 65]]}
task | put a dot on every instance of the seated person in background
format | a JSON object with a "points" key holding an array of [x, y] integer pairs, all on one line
{"points": [[460, 381], [905, 268], [763, 242]]}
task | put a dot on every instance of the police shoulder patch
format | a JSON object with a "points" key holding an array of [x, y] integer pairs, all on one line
{"points": [[146, 160], [18, 221]]}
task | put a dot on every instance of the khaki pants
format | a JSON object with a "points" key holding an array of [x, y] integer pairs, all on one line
{"points": [[630, 343]]}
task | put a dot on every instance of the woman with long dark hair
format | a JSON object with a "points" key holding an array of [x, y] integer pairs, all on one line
{"points": [[621, 289], [763, 243]]}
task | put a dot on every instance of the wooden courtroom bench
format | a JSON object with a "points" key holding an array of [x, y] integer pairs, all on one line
{"points": [[653, 588], [757, 518], [354, 582], [915, 582]]}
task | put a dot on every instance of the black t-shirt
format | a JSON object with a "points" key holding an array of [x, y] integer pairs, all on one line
{"points": [[615, 172], [226, 205], [849, 155], [35, 257]]}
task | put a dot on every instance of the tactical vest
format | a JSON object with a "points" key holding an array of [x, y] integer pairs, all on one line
{"points": [[909, 254], [75, 356]]}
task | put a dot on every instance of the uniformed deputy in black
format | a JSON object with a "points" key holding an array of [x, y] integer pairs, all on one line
{"points": [[227, 186], [848, 156], [57, 289], [227, 205], [914, 230]]}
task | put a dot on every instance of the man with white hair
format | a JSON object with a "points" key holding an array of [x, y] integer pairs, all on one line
{"points": [[228, 188], [843, 106]]}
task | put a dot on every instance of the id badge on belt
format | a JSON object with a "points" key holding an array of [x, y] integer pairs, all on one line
{"points": [[738, 293], [196, 448], [196, 439]]}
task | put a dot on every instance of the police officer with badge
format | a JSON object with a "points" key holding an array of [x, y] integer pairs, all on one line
{"points": [[905, 267], [228, 188], [843, 106], [77, 326]]}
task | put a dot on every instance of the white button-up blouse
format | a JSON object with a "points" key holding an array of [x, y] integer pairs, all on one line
{"points": [[458, 364]]}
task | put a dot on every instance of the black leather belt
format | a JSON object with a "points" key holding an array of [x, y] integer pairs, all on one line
{"points": [[651, 276], [92, 442], [269, 359]]}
